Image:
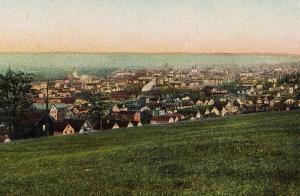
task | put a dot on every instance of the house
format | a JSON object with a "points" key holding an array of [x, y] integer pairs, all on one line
{"points": [[275, 104], [34, 123], [250, 102], [108, 124], [162, 119], [185, 104], [130, 116], [231, 108], [145, 108], [130, 125], [199, 103], [275, 101], [116, 126], [116, 108], [123, 124], [177, 117], [207, 112], [71, 126], [259, 101], [80, 102], [198, 115], [239, 101], [266, 101], [290, 101], [53, 112], [215, 111], [222, 99], [57, 111], [62, 128], [4, 139], [209, 102], [159, 111]]}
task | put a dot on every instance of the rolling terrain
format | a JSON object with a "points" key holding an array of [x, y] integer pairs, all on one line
{"points": [[247, 154]]}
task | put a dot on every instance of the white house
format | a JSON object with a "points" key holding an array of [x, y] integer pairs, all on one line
{"points": [[53, 112], [116, 126], [211, 102], [207, 112], [215, 111], [231, 108], [199, 103], [290, 101], [198, 115], [116, 108], [130, 125], [240, 101]]}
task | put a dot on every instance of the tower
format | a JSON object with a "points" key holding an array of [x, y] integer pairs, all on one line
{"points": [[74, 73]]}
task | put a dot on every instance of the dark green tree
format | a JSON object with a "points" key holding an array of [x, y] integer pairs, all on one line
{"points": [[146, 117], [98, 107], [15, 96]]}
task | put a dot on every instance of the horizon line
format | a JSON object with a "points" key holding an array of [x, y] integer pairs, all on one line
{"points": [[154, 53]]}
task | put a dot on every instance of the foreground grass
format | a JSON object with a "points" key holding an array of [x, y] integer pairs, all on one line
{"points": [[251, 154]]}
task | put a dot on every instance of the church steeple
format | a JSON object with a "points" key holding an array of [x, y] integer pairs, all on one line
{"points": [[74, 73]]}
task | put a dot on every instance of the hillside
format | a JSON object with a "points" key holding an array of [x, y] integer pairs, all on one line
{"points": [[257, 153]]}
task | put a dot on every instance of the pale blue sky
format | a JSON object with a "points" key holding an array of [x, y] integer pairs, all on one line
{"points": [[204, 26]]}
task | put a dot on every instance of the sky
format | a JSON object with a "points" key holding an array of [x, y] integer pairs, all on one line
{"points": [[151, 26]]}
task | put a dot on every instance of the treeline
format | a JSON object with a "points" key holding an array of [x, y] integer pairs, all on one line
{"points": [[15, 97]]}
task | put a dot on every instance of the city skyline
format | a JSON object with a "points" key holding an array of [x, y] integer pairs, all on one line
{"points": [[150, 27]]}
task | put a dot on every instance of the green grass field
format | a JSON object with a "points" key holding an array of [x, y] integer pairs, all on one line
{"points": [[249, 154]]}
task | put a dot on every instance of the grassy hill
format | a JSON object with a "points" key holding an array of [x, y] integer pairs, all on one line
{"points": [[257, 154]]}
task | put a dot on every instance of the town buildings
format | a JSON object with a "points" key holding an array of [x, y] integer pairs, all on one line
{"points": [[157, 96]]}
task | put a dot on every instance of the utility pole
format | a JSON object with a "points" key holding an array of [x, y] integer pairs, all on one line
{"points": [[47, 96], [46, 127]]}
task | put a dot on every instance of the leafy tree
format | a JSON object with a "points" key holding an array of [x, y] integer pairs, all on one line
{"points": [[146, 117], [15, 95], [230, 87], [98, 106]]}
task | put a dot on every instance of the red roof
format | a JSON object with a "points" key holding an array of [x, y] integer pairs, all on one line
{"points": [[163, 118]]}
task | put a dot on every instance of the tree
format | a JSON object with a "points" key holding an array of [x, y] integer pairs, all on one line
{"points": [[15, 95], [98, 107], [146, 117]]}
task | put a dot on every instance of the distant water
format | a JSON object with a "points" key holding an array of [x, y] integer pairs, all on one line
{"points": [[51, 62]]}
